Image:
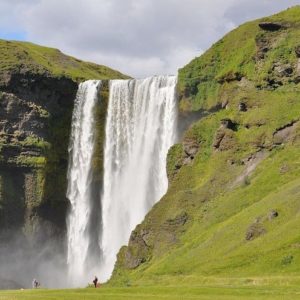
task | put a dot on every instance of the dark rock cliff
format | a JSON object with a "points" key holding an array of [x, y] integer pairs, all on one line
{"points": [[35, 118]]}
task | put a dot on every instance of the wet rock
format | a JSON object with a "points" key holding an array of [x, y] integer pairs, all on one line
{"points": [[242, 107], [270, 26], [272, 214]]}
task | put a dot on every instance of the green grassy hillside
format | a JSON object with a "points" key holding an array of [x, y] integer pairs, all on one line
{"points": [[232, 208], [28, 57]]}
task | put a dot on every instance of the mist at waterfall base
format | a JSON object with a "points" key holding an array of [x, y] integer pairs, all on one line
{"points": [[22, 259], [140, 128]]}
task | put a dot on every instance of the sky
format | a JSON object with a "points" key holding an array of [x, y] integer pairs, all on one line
{"points": [[137, 37]]}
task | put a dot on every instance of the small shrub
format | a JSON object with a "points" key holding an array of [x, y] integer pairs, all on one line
{"points": [[287, 260]]}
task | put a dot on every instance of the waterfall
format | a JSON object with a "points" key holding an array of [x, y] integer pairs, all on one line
{"points": [[79, 177], [140, 128]]}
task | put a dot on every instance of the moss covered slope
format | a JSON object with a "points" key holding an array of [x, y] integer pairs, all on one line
{"points": [[18, 56], [232, 208]]}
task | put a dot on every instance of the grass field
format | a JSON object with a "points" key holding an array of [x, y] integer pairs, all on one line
{"points": [[263, 292]]}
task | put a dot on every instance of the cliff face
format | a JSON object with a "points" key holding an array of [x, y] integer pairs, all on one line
{"points": [[231, 209], [37, 90], [35, 122]]}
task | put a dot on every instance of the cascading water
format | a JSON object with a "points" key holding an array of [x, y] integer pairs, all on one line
{"points": [[80, 175], [140, 128]]}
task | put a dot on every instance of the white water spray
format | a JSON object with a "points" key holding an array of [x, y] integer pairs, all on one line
{"points": [[140, 128], [81, 150]]}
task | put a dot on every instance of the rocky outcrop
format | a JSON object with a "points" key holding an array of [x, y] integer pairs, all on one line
{"points": [[191, 148], [140, 243], [255, 230], [179, 220], [144, 242], [224, 138], [263, 45], [285, 134], [270, 26], [228, 124], [283, 70], [231, 76]]}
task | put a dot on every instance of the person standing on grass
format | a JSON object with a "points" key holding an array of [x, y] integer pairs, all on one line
{"points": [[34, 283], [95, 281]]}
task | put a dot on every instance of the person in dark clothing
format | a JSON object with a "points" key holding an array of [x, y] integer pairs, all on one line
{"points": [[95, 281]]}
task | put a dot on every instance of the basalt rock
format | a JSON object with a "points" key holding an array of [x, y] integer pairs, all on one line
{"points": [[228, 124], [262, 47], [270, 26], [242, 107], [35, 115]]}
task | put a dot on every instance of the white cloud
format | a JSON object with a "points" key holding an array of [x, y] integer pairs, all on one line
{"points": [[138, 37]]}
